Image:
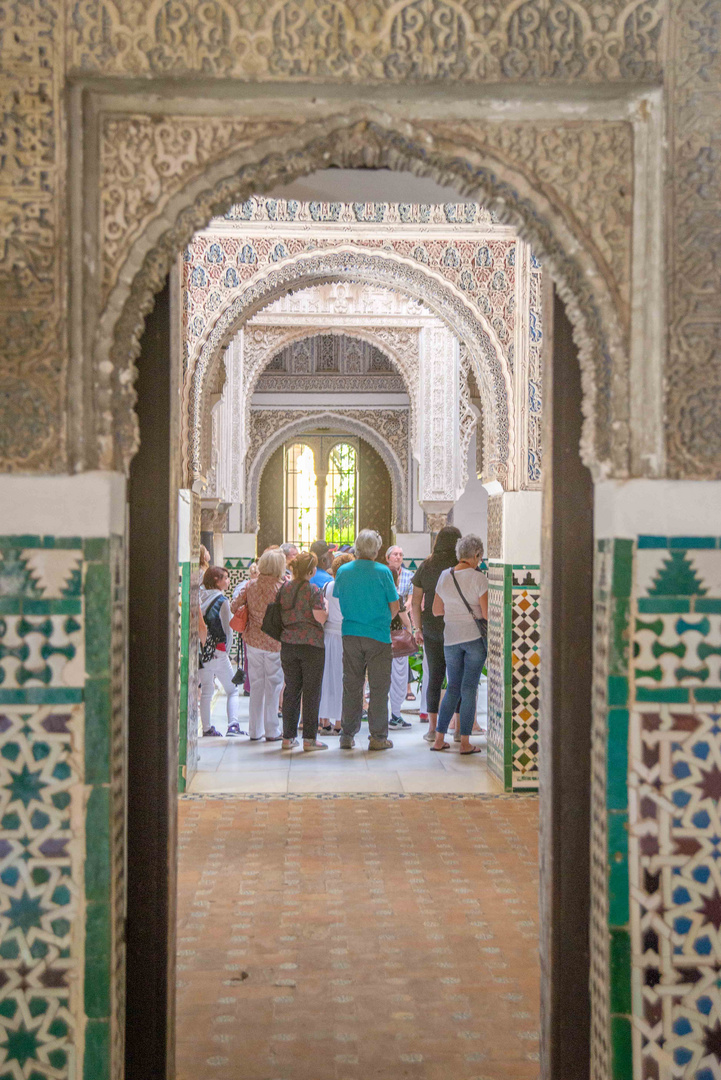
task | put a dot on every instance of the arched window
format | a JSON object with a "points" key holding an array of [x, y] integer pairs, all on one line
{"points": [[301, 495], [341, 494]]}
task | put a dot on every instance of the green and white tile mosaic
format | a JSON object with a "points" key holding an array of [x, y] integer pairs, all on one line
{"points": [[60, 848], [658, 1015]]}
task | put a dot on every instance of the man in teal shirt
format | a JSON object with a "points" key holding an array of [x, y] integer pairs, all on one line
{"points": [[368, 602]]}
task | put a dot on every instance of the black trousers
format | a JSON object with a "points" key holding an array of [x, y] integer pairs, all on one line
{"points": [[303, 670], [435, 654]]}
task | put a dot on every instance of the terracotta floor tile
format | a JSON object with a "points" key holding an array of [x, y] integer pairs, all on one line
{"points": [[355, 938]]}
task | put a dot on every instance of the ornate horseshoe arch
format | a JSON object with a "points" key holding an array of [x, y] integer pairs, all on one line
{"points": [[397, 471], [350, 263], [540, 186]]}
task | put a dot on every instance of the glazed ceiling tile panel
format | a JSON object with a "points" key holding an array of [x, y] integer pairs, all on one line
{"points": [[380, 41]]}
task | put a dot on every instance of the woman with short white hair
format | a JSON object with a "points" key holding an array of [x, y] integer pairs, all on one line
{"points": [[262, 653], [462, 599]]}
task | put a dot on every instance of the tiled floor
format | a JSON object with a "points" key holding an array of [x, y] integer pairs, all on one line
{"points": [[237, 765], [355, 938]]}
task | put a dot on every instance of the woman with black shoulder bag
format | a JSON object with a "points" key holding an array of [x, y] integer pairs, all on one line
{"points": [[462, 599], [303, 612]]}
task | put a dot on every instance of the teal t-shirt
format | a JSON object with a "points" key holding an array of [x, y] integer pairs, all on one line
{"points": [[364, 590]]}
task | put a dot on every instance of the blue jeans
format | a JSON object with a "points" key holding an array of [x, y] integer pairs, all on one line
{"points": [[464, 664]]}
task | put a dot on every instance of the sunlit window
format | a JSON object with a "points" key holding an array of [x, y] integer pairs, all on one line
{"points": [[340, 495], [301, 495]]}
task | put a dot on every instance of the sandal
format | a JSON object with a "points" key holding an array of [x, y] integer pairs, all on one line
{"points": [[473, 750], [438, 749], [327, 730], [288, 744], [410, 696]]}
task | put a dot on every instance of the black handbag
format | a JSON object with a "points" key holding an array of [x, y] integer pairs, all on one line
{"points": [[272, 624], [482, 624]]}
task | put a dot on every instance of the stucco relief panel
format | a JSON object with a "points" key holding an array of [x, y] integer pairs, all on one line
{"points": [[384, 41], [32, 269]]}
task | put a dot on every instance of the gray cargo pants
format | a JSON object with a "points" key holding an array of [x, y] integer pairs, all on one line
{"points": [[359, 654]]}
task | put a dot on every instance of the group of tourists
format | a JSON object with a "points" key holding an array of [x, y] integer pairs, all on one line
{"points": [[320, 629]]}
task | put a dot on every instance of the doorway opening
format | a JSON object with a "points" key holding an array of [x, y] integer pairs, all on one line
{"points": [[574, 560]]}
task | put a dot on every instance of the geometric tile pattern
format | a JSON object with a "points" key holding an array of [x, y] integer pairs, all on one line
{"points": [[674, 827], [513, 674], [525, 669], [57, 945], [419, 959]]}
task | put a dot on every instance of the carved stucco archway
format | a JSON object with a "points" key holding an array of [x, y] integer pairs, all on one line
{"points": [[544, 206], [346, 424], [349, 263], [399, 344]]}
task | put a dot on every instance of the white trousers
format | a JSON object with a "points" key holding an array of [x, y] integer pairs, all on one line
{"points": [[221, 669], [424, 685], [399, 684], [266, 682]]}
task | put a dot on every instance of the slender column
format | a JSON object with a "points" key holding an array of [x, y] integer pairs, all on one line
{"points": [[440, 471]]}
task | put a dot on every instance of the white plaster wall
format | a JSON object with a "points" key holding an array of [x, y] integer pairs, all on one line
{"points": [[470, 514], [415, 545], [522, 527], [281, 399], [239, 545], [86, 504], [184, 525], [630, 508], [367, 185]]}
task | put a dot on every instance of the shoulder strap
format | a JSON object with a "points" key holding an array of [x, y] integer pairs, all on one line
{"points": [[455, 582]]}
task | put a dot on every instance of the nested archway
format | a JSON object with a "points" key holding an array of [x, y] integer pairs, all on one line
{"points": [[350, 263]]}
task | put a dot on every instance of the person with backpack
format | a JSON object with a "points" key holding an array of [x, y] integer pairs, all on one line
{"points": [[461, 599], [214, 658], [303, 612]]}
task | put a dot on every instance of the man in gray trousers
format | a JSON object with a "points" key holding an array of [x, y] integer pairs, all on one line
{"points": [[368, 602]]}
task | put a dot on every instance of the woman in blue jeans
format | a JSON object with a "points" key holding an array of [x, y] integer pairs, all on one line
{"points": [[462, 599]]}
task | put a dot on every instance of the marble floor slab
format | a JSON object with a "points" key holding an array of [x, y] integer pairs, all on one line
{"points": [[228, 765]]}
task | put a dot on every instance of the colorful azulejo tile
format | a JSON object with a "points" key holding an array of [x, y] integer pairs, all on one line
{"points": [[43, 662], [525, 669], [674, 825], [675, 889]]}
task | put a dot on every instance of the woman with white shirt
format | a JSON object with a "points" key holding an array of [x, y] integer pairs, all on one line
{"points": [[462, 599], [331, 698]]}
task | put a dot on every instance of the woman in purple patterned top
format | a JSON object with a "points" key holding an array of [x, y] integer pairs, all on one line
{"points": [[302, 652]]}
